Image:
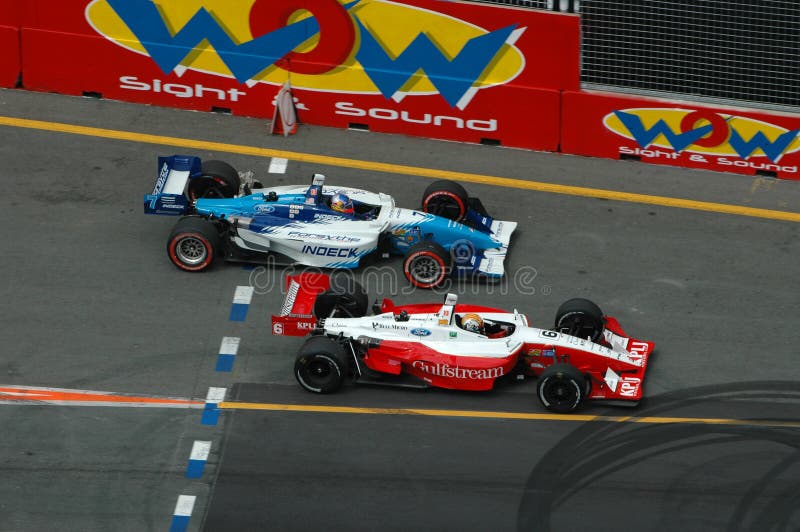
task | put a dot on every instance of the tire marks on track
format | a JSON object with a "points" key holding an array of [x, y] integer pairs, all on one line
{"points": [[735, 476]]}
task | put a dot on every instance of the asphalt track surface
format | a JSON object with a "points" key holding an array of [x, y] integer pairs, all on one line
{"points": [[704, 264]]}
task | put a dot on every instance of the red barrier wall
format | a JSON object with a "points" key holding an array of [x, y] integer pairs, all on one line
{"points": [[680, 134], [449, 70], [10, 57], [11, 13], [455, 71]]}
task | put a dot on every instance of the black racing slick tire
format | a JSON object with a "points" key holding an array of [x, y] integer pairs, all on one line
{"points": [[447, 199], [580, 317], [426, 265], [321, 365], [218, 180], [193, 244], [561, 388], [345, 299]]}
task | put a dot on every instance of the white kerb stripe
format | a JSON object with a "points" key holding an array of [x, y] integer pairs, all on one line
{"points": [[229, 345], [200, 450], [215, 395], [185, 505], [243, 295], [277, 165]]}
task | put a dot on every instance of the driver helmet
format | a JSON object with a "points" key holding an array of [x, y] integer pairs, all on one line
{"points": [[472, 323], [342, 203]]}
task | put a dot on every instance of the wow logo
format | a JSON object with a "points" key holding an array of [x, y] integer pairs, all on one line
{"points": [[703, 132], [364, 46]]}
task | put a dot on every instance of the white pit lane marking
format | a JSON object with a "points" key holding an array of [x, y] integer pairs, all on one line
{"points": [[215, 395], [243, 295], [184, 506], [229, 345], [277, 165], [200, 450]]}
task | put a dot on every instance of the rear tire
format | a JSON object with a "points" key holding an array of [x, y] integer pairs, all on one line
{"points": [[580, 317], [218, 180], [321, 365], [561, 388], [447, 199], [345, 299], [193, 244], [426, 265]]}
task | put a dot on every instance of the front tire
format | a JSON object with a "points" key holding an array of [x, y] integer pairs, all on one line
{"points": [[447, 199], [580, 317], [193, 244], [321, 365], [426, 265], [218, 180], [561, 388]]}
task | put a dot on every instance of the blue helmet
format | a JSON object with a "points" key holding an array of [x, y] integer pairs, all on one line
{"points": [[342, 203]]}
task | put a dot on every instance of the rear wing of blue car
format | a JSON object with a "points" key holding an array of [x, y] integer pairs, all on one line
{"points": [[169, 194]]}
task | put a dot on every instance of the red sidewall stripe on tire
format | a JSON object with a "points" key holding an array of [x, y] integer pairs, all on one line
{"points": [[458, 200], [174, 257], [433, 255]]}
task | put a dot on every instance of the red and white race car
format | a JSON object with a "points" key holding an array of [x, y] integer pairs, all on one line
{"points": [[585, 356]]}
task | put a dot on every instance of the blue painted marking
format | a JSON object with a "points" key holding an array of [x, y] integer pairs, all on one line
{"points": [[238, 312], [225, 362], [179, 523], [210, 414], [195, 468]]}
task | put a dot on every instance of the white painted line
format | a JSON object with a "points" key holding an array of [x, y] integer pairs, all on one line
{"points": [[215, 395], [185, 505], [200, 450], [277, 165], [243, 295], [229, 345]]}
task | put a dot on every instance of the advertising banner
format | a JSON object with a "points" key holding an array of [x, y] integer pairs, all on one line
{"points": [[681, 134], [423, 67]]}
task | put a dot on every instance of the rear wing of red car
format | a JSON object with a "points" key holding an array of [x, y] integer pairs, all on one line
{"points": [[296, 317]]}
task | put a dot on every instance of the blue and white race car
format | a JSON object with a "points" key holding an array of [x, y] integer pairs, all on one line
{"points": [[225, 214]]}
